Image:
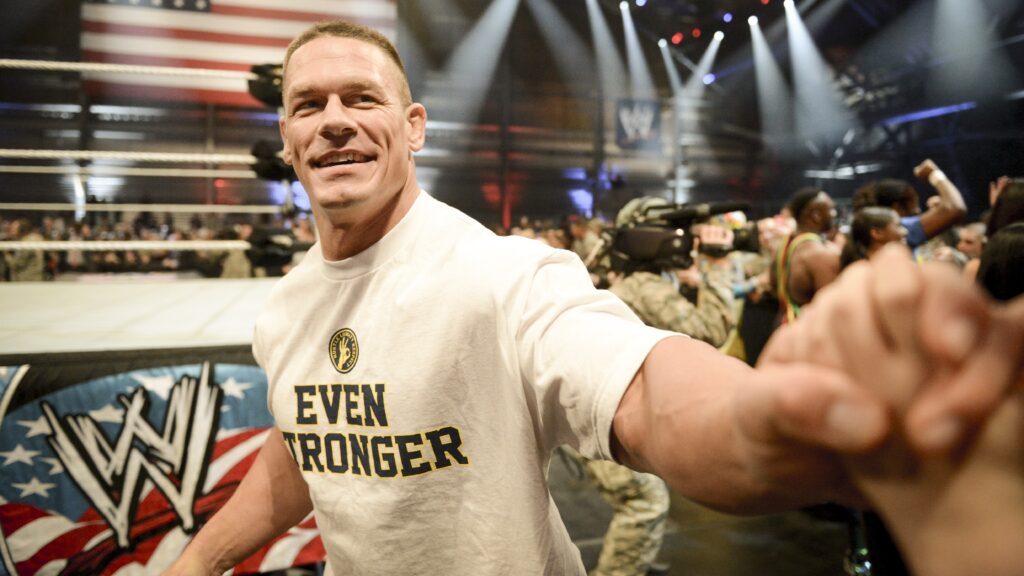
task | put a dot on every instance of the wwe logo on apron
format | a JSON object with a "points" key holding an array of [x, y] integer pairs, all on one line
{"points": [[173, 458]]}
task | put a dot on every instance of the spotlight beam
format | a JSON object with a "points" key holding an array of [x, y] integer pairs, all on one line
{"points": [[774, 98], [820, 114], [640, 80], [961, 36], [609, 65], [475, 60], [674, 79], [571, 54], [695, 86]]}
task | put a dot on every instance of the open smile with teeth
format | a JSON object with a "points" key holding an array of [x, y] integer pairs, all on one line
{"points": [[342, 159]]}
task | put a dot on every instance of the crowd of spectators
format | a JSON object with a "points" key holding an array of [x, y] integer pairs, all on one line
{"points": [[275, 241]]}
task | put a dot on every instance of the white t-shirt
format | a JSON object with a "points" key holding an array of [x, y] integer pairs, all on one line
{"points": [[422, 385]]}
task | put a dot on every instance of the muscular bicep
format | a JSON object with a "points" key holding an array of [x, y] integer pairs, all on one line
{"points": [[936, 220]]}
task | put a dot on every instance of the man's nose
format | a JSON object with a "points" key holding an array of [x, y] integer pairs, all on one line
{"points": [[336, 119]]}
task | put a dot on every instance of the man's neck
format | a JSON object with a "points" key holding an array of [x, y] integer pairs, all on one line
{"points": [[341, 239]]}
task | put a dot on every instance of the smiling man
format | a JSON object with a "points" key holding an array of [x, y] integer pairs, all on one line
{"points": [[422, 370]]}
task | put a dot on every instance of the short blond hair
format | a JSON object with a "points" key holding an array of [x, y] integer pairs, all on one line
{"points": [[346, 29]]}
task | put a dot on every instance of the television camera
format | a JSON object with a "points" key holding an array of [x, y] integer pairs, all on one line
{"points": [[653, 233]]}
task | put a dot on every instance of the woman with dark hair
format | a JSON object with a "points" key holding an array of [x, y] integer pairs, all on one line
{"points": [[1007, 205], [872, 228], [1001, 271]]}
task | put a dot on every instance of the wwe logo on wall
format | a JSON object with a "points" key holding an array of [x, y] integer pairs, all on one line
{"points": [[173, 458], [638, 124]]}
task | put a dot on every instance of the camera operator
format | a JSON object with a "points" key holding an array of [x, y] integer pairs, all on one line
{"points": [[651, 288]]}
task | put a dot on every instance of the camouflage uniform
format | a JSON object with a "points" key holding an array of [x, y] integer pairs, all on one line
{"points": [[27, 265], [659, 304]]}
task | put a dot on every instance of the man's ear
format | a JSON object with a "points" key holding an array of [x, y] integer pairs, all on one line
{"points": [[287, 153], [416, 116]]}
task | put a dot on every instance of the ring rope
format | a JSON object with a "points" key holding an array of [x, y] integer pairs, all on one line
{"points": [[115, 245], [129, 171], [30, 154], [178, 208], [57, 66]]}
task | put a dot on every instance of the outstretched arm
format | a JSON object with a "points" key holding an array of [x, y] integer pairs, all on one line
{"points": [[271, 498]]}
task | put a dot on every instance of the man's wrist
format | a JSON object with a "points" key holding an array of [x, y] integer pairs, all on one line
{"points": [[936, 177]]}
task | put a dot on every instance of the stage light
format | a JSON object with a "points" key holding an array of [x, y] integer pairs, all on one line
{"points": [[727, 17], [719, 36], [752, 20], [623, 5], [662, 43], [709, 79], [695, 32], [788, 4], [641, 3], [677, 37], [765, 2]]}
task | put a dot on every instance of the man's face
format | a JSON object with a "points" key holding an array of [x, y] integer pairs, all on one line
{"points": [[826, 209], [345, 128], [970, 243], [894, 232]]}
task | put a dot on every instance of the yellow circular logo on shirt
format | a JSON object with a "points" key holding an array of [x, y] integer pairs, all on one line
{"points": [[344, 350]]}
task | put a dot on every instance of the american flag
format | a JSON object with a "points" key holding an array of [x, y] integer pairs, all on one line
{"points": [[46, 542], [229, 35], [47, 524]]}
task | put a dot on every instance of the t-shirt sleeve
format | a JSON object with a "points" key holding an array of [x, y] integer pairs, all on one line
{"points": [[915, 231], [257, 354], [579, 348]]}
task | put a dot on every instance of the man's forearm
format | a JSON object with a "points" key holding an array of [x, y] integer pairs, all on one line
{"points": [[744, 440], [271, 498], [686, 390], [949, 194]]}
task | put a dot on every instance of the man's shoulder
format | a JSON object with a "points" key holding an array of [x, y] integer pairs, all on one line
{"points": [[814, 248]]}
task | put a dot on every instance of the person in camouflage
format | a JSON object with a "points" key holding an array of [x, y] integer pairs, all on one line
{"points": [[26, 265], [658, 302], [641, 501]]}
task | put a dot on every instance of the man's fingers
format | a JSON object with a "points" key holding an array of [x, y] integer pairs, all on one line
{"points": [[896, 289], [953, 316], [814, 406], [855, 329], [939, 418]]}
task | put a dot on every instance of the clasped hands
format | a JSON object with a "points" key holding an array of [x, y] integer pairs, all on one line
{"points": [[937, 443]]}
